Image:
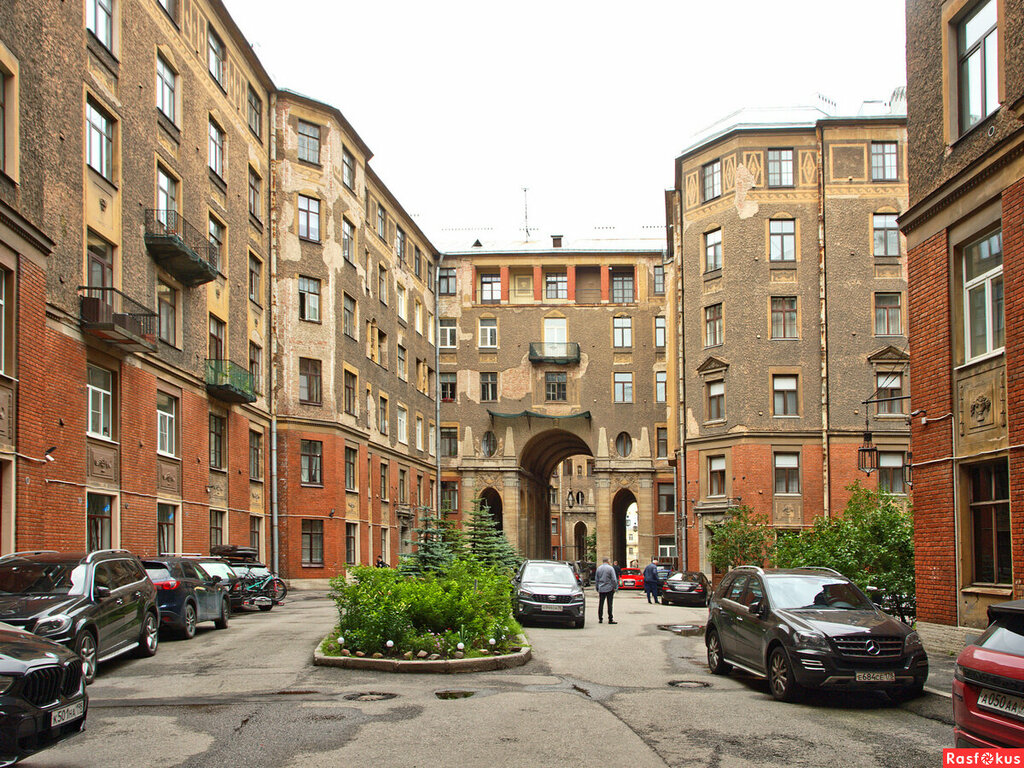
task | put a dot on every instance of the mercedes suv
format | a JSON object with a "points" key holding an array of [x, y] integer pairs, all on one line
{"points": [[100, 605], [810, 628]]}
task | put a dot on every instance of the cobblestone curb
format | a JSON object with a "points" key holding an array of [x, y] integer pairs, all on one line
{"points": [[438, 666]]}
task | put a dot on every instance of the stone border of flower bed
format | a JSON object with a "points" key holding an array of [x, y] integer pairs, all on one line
{"points": [[442, 666]]}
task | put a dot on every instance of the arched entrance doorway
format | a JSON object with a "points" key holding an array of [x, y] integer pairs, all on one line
{"points": [[490, 499], [623, 500], [579, 540]]}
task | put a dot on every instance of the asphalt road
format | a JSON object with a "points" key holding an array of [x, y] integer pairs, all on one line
{"points": [[249, 696]]}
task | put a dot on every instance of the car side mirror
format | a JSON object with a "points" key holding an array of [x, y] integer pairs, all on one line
{"points": [[758, 608], [101, 593], [215, 579]]}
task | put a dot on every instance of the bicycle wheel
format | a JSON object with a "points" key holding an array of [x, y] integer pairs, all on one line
{"points": [[278, 589]]}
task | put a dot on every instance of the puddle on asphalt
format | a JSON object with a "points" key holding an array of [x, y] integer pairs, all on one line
{"points": [[685, 630], [370, 696], [448, 695], [689, 684]]}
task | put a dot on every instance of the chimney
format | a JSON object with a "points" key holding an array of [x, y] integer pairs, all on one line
{"points": [[556, 241]]}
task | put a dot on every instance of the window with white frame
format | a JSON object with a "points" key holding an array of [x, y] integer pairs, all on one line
{"points": [[255, 113], [400, 305], [348, 240], [713, 250], [622, 332], [401, 421], [780, 167], [309, 299], [623, 386], [215, 55], [166, 424], [885, 235], [490, 288], [983, 296], [348, 316], [309, 142], [784, 317], [977, 65], [716, 475], [488, 332], [348, 169], [787, 473], [659, 280], [101, 402], [711, 180], [166, 87], [660, 386], [419, 433], [659, 332], [449, 333], [556, 285], [99, 19], [217, 140], [309, 218], [716, 400], [888, 314], [889, 392], [713, 325], [100, 139], [884, 166], [782, 240], [784, 395], [890, 472]]}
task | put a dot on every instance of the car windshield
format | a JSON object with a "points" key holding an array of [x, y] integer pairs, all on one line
{"points": [[1004, 634], [630, 572], [795, 592], [24, 577], [218, 569], [686, 576], [549, 574]]}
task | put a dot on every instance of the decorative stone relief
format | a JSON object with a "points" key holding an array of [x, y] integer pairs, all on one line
{"points": [[218, 489], [787, 512], [256, 497], [101, 462], [6, 414], [168, 476]]}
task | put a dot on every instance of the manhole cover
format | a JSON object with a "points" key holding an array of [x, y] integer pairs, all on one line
{"points": [[689, 684], [682, 629], [453, 694], [370, 696]]}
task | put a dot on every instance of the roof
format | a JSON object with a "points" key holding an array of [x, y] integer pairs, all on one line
{"points": [[600, 240]]}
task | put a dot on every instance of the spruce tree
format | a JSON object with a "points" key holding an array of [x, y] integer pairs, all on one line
{"points": [[437, 543], [484, 542]]}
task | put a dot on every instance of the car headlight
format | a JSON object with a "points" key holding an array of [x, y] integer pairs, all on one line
{"points": [[53, 625], [810, 640], [525, 594], [912, 642], [958, 672], [575, 597], [6, 681]]}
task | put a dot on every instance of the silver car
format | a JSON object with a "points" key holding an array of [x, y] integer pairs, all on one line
{"points": [[549, 589]]}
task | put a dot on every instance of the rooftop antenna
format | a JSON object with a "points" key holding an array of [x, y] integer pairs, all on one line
{"points": [[526, 214]]}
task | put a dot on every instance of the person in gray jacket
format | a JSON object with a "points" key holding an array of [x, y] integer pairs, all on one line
{"points": [[606, 582]]}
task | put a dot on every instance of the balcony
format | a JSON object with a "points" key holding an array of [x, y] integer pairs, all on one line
{"points": [[110, 315], [556, 352], [180, 248], [229, 382]]}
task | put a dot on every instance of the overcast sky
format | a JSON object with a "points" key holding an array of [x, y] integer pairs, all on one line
{"points": [[585, 103]]}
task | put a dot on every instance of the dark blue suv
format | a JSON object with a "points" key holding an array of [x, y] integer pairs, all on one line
{"points": [[187, 594]]}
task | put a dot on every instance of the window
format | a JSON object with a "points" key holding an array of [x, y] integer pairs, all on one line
{"points": [[255, 454], [348, 316], [711, 181], [983, 295], [449, 333], [622, 332], [448, 387], [556, 285], [99, 128], [488, 332], [666, 547], [417, 261], [99, 514], [554, 526], [382, 415], [659, 280], [256, 365], [716, 400], [888, 393], [660, 386], [888, 314], [782, 240], [217, 520], [622, 286], [165, 537], [99, 19], [309, 142], [255, 279], [216, 230], [384, 483], [489, 444], [713, 325], [218, 433], [446, 281], [218, 329], [100, 265], [402, 422], [419, 433], [255, 188], [3, 120], [215, 55], [787, 472], [382, 283], [716, 476], [400, 303], [623, 446], [166, 85], [309, 218], [217, 140], [400, 244], [883, 161], [661, 442], [255, 113], [890, 472], [351, 530], [311, 458], [313, 542], [623, 387], [255, 531], [348, 241], [167, 304], [784, 394], [713, 250], [780, 167], [309, 299], [166, 198], [449, 495], [886, 239], [449, 442], [977, 65], [309, 381], [348, 169], [166, 429], [101, 402], [351, 457], [382, 222], [351, 382], [488, 387], [555, 386], [666, 498], [659, 332], [989, 494], [784, 317], [490, 289]]}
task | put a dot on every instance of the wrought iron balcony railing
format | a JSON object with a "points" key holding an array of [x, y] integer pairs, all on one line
{"points": [[230, 382], [180, 248], [117, 318], [559, 353]]}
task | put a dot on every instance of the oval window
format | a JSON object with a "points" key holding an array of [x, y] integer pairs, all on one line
{"points": [[579, 497], [489, 444], [624, 444]]}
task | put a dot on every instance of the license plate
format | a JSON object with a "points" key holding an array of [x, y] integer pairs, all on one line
{"points": [[1002, 702], [262, 601], [67, 714], [875, 677], [553, 608]]}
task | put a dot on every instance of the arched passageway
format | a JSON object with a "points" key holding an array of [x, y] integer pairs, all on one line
{"points": [[491, 500], [623, 500], [579, 540]]}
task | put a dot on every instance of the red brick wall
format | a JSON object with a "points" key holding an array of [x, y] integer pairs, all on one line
{"points": [[1013, 277]]}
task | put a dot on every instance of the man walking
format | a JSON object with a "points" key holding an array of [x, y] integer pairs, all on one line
{"points": [[651, 584], [606, 582]]}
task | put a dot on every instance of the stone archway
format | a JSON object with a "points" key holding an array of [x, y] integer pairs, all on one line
{"points": [[623, 500], [579, 540], [491, 499]]}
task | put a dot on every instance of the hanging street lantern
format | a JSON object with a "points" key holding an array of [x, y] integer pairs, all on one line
{"points": [[867, 456]]}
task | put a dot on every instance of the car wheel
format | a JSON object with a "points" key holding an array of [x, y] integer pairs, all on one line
{"points": [[716, 662], [278, 590], [225, 615], [85, 647], [578, 623], [149, 636], [266, 608], [781, 680], [188, 622]]}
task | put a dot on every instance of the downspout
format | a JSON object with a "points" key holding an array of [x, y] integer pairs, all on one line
{"points": [[679, 474], [823, 320], [437, 387], [275, 546]]}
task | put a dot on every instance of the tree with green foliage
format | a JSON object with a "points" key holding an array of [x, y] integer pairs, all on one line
{"points": [[744, 537], [591, 546], [438, 542], [484, 542], [871, 543]]}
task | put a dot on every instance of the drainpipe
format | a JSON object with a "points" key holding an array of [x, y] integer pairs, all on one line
{"points": [[275, 546], [437, 386], [823, 319]]}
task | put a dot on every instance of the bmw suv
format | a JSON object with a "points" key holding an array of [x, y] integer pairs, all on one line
{"points": [[810, 628], [100, 605]]}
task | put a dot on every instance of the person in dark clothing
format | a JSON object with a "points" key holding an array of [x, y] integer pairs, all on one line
{"points": [[618, 569], [606, 582], [651, 584], [380, 562]]}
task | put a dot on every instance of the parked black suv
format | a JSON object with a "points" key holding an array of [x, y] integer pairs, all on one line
{"points": [[188, 594], [42, 694], [809, 627], [100, 605]]}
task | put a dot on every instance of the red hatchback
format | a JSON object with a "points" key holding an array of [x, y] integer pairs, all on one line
{"points": [[988, 684], [631, 578]]}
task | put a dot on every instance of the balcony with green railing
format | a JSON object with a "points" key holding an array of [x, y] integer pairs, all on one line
{"points": [[230, 382], [180, 248], [554, 352]]}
